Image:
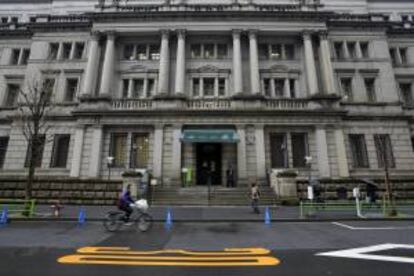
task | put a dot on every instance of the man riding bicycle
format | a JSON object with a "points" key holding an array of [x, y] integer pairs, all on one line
{"points": [[125, 202]]}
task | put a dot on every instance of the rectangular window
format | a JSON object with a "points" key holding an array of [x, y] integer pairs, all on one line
{"points": [[406, 93], [142, 52], [384, 151], [154, 52], [4, 142], [352, 49], [151, 87], [222, 51], [208, 87], [278, 148], [37, 151], [299, 149], [71, 89], [292, 84], [209, 51], [49, 87], [290, 51], [125, 88], [276, 51], [196, 51], [370, 89], [222, 87], [279, 87], [346, 88], [4, 20], [25, 56], [364, 49], [53, 50], [79, 48], [138, 88], [267, 88], [14, 19], [12, 94], [15, 57], [403, 54], [393, 54], [60, 151], [139, 150], [118, 149], [339, 50], [67, 47], [263, 51], [359, 151], [412, 143], [129, 52], [196, 87]]}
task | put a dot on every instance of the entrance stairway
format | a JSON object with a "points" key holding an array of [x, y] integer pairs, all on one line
{"points": [[219, 196]]}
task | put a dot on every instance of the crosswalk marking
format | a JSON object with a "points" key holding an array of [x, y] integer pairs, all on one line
{"points": [[168, 257]]}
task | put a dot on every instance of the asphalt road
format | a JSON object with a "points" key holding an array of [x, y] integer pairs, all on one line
{"points": [[35, 248]]}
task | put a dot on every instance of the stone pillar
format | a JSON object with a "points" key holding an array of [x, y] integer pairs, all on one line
{"points": [[358, 50], [164, 70], [311, 77], [180, 68], [260, 153], [96, 151], [130, 88], [176, 153], [326, 64], [410, 55], [342, 160], [286, 87], [77, 152], [108, 65], [241, 153], [254, 63], [345, 50], [72, 51], [322, 150], [89, 81], [237, 63], [158, 148], [59, 54]]}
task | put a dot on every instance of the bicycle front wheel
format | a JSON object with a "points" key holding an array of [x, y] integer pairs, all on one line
{"points": [[144, 222], [113, 222]]}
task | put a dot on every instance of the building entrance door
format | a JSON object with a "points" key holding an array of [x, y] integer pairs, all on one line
{"points": [[208, 156]]}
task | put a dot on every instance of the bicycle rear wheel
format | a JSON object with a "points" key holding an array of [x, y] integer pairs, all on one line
{"points": [[144, 222], [113, 221]]}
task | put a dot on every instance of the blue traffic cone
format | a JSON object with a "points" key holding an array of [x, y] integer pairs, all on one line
{"points": [[81, 216], [268, 217], [4, 216], [169, 219]]}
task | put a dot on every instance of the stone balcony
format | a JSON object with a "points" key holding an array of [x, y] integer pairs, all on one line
{"points": [[210, 104]]}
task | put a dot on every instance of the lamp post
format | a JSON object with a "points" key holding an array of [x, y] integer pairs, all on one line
{"points": [[308, 162], [109, 162]]}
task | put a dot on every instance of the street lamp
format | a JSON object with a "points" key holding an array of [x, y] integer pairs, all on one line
{"points": [[109, 162], [308, 162]]}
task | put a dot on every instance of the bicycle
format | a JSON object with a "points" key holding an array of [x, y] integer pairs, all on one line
{"points": [[115, 220]]}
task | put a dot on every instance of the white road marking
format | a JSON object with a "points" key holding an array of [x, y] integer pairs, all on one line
{"points": [[361, 253], [372, 228]]}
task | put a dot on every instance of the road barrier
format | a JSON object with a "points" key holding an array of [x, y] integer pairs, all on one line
{"points": [[19, 207], [168, 219]]}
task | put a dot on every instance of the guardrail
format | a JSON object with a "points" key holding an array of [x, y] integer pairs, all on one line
{"points": [[132, 104], [18, 207]]}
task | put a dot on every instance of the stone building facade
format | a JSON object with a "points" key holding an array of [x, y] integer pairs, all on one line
{"points": [[212, 86]]}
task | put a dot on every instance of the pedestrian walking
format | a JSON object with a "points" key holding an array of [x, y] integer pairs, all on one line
{"points": [[255, 196]]}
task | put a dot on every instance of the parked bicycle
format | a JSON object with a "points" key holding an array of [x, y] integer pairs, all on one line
{"points": [[139, 218]]}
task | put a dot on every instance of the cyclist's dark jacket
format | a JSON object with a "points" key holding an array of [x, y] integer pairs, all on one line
{"points": [[125, 199]]}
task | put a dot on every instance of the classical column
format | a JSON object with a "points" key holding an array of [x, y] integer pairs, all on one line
{"points": [[358, 50], [72, 51], [130, 88], [241, 153], [322, 150], [237, 63], [345, 50], [89, 81], [77, 152], [96, 151], [164, 70], [59, 54], [326, 64], [410, 55], [180, 67], [176, 153], [254, 63], [108, 65], [343, 169], [310, 64], [260, 153], [286, 91], [158, 146]]}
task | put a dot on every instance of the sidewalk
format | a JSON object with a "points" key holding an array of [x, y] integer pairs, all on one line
{"points": [[199, 213]]}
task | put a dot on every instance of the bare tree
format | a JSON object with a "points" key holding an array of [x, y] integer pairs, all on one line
{"points": [[34, 104]]}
